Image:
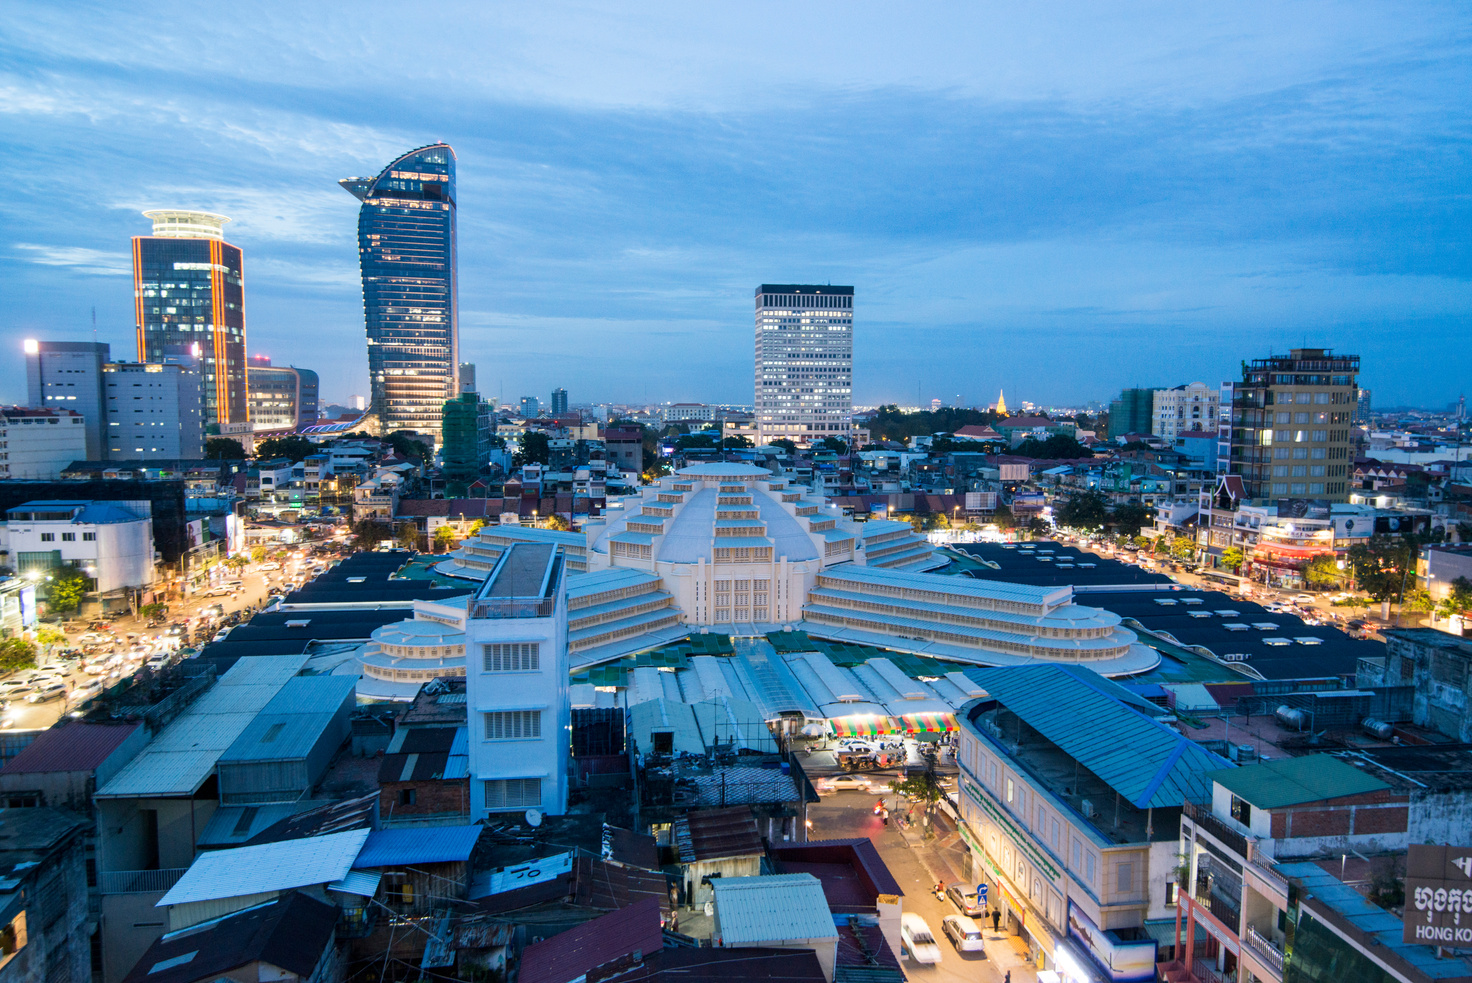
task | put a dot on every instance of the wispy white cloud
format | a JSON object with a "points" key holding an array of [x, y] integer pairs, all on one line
{"points": [[96, 262]]}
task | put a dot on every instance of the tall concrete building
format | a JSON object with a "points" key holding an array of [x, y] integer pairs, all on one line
{"points": [[531, 408], [38, 443], [467, 377], [466, 442], [1291, 421], [1184, 409], [189, 300], [282, 397], [804, 362], [406, 249], [559, 402], [67, 375], [1132, 412], [154, 412], [516, 684]]}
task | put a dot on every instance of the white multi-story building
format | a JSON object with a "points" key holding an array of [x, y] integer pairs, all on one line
{"points": [[1184, 409], [679, 412], [67, 375], [111, 542], [154, 412], [38, 444], [804, 362], [516, 684]]}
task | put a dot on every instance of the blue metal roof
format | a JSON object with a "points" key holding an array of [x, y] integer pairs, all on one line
{"points": [[418, 845], [1091, 719]]}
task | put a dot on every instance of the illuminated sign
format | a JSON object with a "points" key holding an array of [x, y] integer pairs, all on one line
{"points": [[1438, 896]]}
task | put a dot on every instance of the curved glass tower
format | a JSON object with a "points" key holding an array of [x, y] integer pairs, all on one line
{"points": [[406, 248]]}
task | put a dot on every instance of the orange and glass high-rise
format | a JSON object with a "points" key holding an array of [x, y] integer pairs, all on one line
{"points": [[406, 248], [189, 304]]}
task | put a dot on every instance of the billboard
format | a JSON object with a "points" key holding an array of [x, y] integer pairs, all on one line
{"points": [[1303, 508], [1438, 896], [1123, 961]]}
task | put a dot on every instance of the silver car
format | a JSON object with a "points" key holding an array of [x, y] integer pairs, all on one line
{"points": [[964, 897], [964, 934]]}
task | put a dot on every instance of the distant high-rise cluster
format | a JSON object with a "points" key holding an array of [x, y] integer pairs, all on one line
{"points": [[406, 249], [189, 302], [559, 402], [804, 362]]}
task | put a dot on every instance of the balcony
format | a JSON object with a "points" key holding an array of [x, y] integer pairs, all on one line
{"points": [[1228, 837], [1265, 949], [138, 881], [1224, 910], [514, 607]]}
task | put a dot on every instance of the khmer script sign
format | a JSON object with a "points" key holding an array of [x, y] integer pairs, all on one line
{"points": [[1438, 896]]}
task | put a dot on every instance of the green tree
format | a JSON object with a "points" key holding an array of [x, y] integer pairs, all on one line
{"points": [[1003, 517], [1183, 548], [154, 610], [369, 533], [785, 444], [1057, 447], [1129, 517], [1464, 532], [736, 443], [1323, 571], [224, 449], [444, 538], [1382, 566], [476, 527], [292, 448], [1458, 600], [65, 589], [558, 522], [236, 563], [1088, 511], [408, 536], [257, 554], [16, 654], [921, 788], [47, 637], [534, 449], [1233, 558], [835, 444], [1038, 526], [1419, 601]]}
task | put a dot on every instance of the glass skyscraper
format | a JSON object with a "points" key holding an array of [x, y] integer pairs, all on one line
{"points": [[189, 302], [804, 362], [406, 248]]}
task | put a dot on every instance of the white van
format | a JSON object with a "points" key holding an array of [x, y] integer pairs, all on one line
{"points": [[915, 935]]}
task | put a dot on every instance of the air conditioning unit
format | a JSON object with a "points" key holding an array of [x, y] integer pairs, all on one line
{"points": [[1087, 808]]}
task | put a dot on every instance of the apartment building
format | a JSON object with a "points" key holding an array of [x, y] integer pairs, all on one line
{"points": [[1071, 795], [1180, 409], [38, 444], [153, 412]]}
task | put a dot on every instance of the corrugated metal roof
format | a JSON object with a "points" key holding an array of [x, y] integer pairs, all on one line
{"points": [[665, 715], [268, 867], [360, 882], [773, 908], [418, 845], [1090, 718], [180, 759], [1291, 781], [75, 746], [311, 694], [574, 954], [278, 737]]}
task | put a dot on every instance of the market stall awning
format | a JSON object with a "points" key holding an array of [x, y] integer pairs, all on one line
{"points": [[860, 725], [929, 726]]}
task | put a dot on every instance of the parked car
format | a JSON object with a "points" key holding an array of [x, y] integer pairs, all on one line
{"points": [[964, 934], [964, 897], [49, 691], [915, 934], [87, 691], [1303, 599], [840, 783]]}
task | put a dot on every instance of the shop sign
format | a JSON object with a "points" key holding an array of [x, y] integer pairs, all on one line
{"points": [[1438, 896], [1125, 962]]}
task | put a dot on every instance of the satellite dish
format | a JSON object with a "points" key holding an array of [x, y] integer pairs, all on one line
{"points": [[534, 817]]}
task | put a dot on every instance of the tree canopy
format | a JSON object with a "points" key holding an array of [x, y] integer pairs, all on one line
{"points": [[535, 449], [292, 448], [66, 587], [1089, 510], [408, 445], [224, 449], [1057, 447], [891, 424], [1129, 517], [1381, 566]]}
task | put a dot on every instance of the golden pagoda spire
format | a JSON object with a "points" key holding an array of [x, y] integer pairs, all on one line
{"points": [[1001, 403]]}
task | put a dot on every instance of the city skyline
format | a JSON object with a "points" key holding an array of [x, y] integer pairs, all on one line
{"points": [[1212, 186]]}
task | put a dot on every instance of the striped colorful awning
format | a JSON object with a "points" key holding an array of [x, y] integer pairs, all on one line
{"points": [[860, 725], [928, 723]]}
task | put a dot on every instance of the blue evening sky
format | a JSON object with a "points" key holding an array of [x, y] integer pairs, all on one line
{"points": [[1060, 199]]}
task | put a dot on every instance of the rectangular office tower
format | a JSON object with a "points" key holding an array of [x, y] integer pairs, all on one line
{"points": [[282, 397], [67, 375], [153, 412], [804, 362], [406, 249], [1291, 421], [189, 301]]}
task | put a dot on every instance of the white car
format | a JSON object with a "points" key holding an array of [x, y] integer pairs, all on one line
{"points": [[48, 691], [87, 691], [964, 933], [839, 783], [1303, 599], [915, 935]]}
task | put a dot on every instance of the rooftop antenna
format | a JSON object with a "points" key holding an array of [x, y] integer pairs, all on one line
{"points": [[94, 324]]}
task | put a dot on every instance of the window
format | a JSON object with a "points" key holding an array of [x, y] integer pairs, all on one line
{"points": [[513, 725], [512, 657], [1078, 854], [1241, 811], [407, 796], [1124, 879], [48, 537], [68, 537], [1056, 830], [1042, 820], [1010, 790], [513, 793], [1172, 893], [1091, 869]]}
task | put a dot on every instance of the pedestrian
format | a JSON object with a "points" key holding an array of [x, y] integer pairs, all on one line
{"points": [[996, 919], [1008, 977], [885, 813]]}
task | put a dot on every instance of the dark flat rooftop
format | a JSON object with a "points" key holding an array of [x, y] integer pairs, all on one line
{"points": [[1019, 565], [522, 571], [1336, 654]]}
